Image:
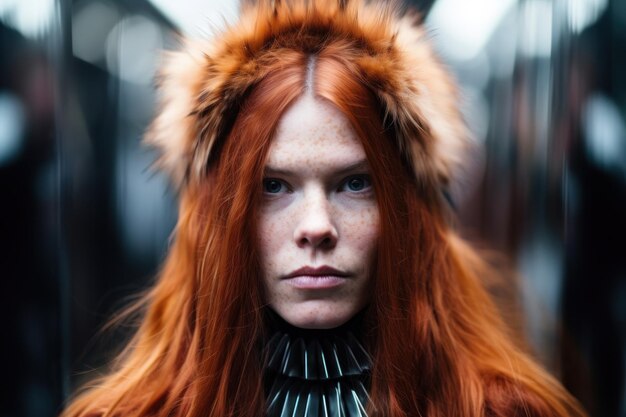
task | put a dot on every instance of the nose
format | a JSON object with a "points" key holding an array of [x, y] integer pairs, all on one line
{"points": [[316, 228]]}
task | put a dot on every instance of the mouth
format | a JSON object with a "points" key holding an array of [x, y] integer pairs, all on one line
{"points": [[311, 278]]}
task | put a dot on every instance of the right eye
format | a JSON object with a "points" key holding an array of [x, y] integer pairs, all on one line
{"points": [[273, 186]]}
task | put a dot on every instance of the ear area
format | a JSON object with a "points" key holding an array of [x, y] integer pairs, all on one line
{"points": [[174, 132]]}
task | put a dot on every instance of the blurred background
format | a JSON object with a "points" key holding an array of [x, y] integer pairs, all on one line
{"points": [[85, 223]]}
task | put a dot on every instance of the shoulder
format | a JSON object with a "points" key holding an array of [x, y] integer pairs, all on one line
{"points": [[507, 398]]}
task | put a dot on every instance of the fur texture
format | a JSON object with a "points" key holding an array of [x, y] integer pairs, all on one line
{"points": [[204, 85]]}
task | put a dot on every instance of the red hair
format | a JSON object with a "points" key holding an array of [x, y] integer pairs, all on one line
{"points": [[438, 345]]}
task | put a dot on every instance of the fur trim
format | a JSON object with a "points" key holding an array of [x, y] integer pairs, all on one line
{"points": [[208, 79]]}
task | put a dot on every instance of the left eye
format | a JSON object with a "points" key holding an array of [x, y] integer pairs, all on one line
{"points": [[272, 186], [357, 183]]}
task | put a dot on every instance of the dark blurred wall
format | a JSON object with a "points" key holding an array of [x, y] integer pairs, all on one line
{"points": [[594, 290], [549, 185], [84, 221], [31, 348]]}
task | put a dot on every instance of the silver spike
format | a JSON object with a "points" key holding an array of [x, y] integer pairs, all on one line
{"points": [[286, 357], [337, 359], [284, 411], [324, 363], [295, 406]]}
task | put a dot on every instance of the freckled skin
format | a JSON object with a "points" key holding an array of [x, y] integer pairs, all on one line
{"points": [[317, 218]]}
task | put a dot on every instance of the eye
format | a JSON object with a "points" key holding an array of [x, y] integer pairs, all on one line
{"points": [[357, 183], [273, 186]]}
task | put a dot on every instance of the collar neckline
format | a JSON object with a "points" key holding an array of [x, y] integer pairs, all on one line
{"points": [[313, 354], [315, 373]]}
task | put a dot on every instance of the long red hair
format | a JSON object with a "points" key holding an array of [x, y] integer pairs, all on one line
{"points": [[438, 344]]}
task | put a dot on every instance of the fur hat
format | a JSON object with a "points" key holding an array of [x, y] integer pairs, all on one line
{"points": [[208, 80]]}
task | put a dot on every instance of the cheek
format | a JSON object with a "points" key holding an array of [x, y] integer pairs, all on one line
{"points": [[273, 232], [362, 228]]}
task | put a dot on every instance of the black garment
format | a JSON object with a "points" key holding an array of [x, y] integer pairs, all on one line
{"points": [[315, 373]]}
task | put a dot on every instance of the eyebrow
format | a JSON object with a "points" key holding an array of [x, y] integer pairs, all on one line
{"points": [[359, 165]]}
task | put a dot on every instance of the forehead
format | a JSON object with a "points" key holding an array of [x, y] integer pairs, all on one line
{"points": [[314, 132]]}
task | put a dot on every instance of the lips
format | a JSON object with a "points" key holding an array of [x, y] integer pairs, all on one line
{"points": [[310, 278], [320, 271]]}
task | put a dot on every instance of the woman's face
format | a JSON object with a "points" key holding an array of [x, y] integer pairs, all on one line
{"points": [[318, 224]]}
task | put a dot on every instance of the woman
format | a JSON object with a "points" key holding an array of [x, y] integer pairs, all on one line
{"points": [[314, 270]]}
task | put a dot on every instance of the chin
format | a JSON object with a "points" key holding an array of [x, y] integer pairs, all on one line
{"points": [[317, 316]]}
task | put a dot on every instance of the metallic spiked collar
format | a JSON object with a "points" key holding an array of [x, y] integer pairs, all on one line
{"points": [[314, 373]]}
